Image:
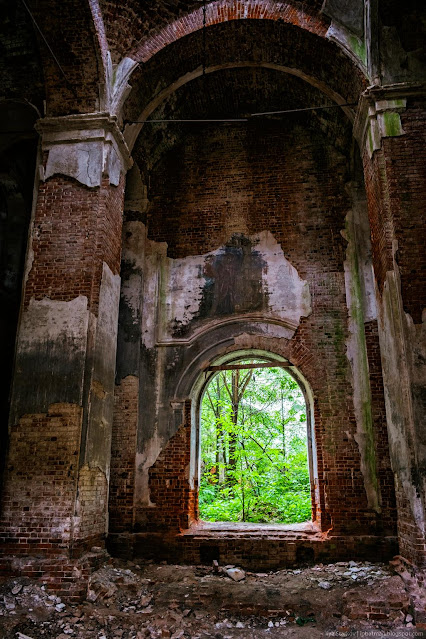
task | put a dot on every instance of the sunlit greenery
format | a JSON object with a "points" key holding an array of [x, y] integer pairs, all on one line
{"points": [[254, 463]]}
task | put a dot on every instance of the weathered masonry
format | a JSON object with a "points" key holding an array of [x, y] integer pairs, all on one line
{"points": [[152, 226]]}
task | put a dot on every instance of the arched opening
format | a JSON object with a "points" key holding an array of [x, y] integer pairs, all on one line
{"points": [[238, 217], [254, 448], [253, 445]]}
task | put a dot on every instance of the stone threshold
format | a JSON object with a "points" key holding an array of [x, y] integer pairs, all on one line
{"points": [[208, 529]]}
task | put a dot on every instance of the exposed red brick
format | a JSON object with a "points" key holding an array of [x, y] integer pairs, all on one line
{"points": [[123, 452], [75, 230], [175, 501], [224, 11], [40, 483]]}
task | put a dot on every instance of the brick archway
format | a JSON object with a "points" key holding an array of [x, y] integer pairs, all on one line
{"points": [[242, 44], [200, 387], [225, 11]]}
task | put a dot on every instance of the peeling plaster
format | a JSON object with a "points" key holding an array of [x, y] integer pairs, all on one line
{"points": [[84, 147], [357, 355], [205, 289], [353, 46], [102, 386], [91, 512], [52, 319], [144, 461], [403, 351], [155, 254], [379, 114], [51, 353], [248, 281], [118, 82], [83, 161], [98, 390]]}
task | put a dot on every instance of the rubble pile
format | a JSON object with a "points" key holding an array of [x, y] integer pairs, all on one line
{"points": [[150, 601]]}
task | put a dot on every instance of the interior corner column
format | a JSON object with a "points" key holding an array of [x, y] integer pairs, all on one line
{"points": [[127, 389], [57, 474], [390, 127]]}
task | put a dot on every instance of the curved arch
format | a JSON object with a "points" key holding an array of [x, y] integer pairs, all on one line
{"points": [[225, 11], [242, 44], [132, 131]]}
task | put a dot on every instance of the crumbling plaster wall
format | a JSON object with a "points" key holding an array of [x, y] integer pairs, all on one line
{"points": [[395, 183], [253, 245], [62, 400]]}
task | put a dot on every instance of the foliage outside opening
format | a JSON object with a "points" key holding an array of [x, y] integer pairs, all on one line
{"points": [[254, 454]]}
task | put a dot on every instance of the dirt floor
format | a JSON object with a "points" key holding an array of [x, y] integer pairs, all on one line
{"points": [[137, 601]]}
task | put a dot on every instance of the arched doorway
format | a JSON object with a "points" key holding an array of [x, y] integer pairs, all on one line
{"points": [[253, 455]]}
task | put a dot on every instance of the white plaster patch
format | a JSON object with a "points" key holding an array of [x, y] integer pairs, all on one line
{"points": [[289, 296], [101, 399], [179, 285], [185, 284], [155, 254], [352, 45], [84, 148], [144, 461], [356, 352], [120, 88], [114, 165], [109, 296], [50, 320], [83, 161], [398, 346]]}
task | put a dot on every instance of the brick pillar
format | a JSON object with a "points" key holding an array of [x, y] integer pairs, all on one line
{"points": [[390, 127], [57, 474]]}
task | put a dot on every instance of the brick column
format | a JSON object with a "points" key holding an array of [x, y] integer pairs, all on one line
{"points": [[57, 474], [390, 127]]}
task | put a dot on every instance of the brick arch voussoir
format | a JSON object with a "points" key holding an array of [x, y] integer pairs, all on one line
{"points": [[231, 44], [224, 11]]}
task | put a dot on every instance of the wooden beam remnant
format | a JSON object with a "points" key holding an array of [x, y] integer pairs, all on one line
{"points": [[238, 367]]}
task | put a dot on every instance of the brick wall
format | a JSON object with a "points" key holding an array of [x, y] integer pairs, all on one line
{"points": [[40, 482], [291, 181], [21, 74], [75, 229], [410, 536], [123, 451], [396, 184], [56, 479], [405, 164], [381, 226], [224, 12], [132, 27], [70, 30], [175, 502], [91, 509], [231, 44], [381, 442]]}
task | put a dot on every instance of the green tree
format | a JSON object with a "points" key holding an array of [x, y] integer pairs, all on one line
{"points": [[253, 445]]}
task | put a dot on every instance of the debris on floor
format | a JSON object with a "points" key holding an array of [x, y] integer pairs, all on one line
{"points": [[126, 600]]}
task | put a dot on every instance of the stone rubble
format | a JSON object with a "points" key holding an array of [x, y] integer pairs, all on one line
{"points": [[148, 601]]}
